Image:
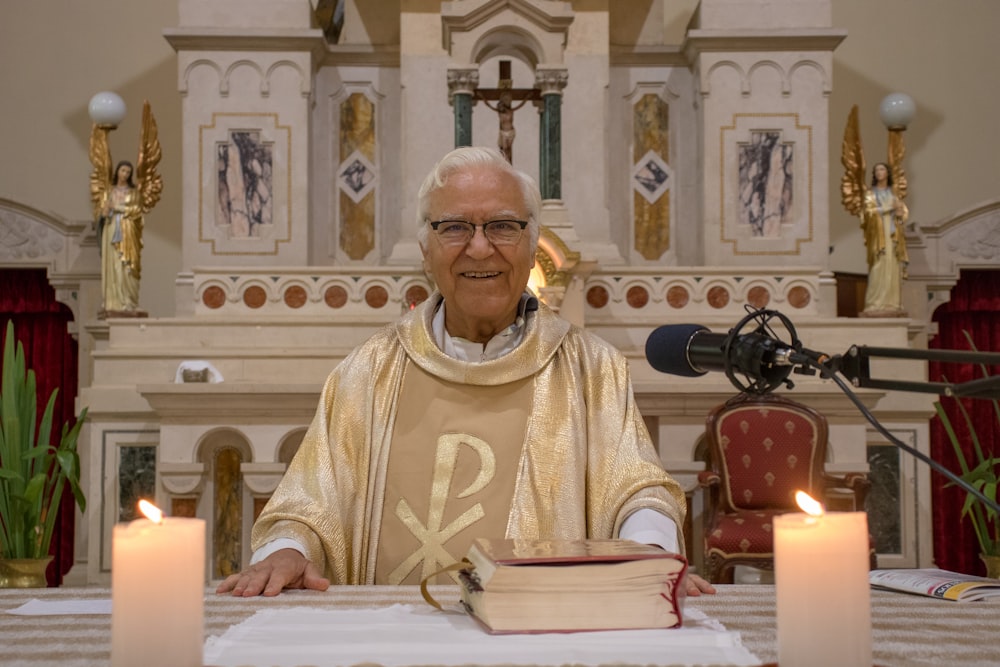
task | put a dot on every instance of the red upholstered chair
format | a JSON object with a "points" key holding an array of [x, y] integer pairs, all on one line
{"points": [[761, 449]]}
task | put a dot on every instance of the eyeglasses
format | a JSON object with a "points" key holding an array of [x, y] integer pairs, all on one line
{"points": [[460, 232]]}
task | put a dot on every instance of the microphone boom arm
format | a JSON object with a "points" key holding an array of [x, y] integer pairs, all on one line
{"points": [[855, 366]]}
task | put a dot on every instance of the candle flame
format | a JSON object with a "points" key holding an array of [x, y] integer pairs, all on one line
{"points": [[808, 504], [152, 512]]}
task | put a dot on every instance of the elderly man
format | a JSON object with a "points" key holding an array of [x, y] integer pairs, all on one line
{"points": [[480, 413]]}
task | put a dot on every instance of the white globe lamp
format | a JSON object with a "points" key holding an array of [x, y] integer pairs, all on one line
{"points": [[897, 110], [106, 109]]}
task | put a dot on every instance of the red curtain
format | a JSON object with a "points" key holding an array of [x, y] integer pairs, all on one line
{"points": [[40, 324], [974, 308]]}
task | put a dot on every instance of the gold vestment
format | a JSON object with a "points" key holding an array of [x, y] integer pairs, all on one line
{"points": [[586, 463]]}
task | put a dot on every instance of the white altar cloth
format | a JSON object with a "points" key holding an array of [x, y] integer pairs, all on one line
{"points": [[404, 634]]}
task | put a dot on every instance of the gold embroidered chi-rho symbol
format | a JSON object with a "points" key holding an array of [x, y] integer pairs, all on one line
{"points": [[431, 535]]}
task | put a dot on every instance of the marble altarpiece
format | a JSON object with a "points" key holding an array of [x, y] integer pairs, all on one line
{"points": [[684, 183]]}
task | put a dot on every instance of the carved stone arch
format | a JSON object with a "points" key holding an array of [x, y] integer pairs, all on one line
{"points": [[824, 76], [200, 63], [289, 445], [472, 27], [222, 437], [508, 41], [305, 82], [772, 65], [223, 451], [743, 78], [237, 65], [30, 238]]}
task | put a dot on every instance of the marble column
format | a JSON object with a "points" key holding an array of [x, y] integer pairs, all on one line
{"points": [[462, 83], [550, 81]]}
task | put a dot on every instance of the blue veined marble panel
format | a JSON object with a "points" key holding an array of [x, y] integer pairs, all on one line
{"points": [[766, 183], [245, 168]]}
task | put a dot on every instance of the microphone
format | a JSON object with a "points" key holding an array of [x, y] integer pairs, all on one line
{"points": [[691, 350]]}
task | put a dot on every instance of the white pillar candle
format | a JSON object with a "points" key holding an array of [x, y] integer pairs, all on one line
{"points": [[821, 579], [158, 593]]}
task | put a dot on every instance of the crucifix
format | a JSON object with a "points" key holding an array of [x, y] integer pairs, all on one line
{"points": [[505, 95]]}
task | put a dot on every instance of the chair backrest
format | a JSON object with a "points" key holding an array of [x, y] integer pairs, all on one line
{"points": [[764, 449]]}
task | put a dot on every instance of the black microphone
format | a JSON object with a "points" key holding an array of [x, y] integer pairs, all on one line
{"points": [[691, 350]]}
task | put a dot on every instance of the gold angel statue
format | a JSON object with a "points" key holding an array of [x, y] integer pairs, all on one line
{"points": [[883, 214], [121, 197]]}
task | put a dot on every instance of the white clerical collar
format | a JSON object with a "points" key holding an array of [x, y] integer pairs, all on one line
{"points": [[502, 343]]}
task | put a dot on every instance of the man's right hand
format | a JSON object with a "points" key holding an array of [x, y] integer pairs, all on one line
{"points": [[285, 568]]}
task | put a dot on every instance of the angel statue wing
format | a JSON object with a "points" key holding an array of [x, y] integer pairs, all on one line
{"points": [[148, 181], [852, 183], [100, 177]]}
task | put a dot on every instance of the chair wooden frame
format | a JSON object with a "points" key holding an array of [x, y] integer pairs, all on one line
{"points": [[717, 479]]}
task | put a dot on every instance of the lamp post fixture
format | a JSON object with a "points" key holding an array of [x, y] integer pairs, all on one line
{"points": [[897, 111]]}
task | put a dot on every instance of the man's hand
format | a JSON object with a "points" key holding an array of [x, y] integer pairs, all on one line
{"points": [[696, 586], [285, 568]]}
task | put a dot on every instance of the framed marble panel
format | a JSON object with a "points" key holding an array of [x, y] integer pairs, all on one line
{"points": [[244, 176], [128, 465], [766, 184]]}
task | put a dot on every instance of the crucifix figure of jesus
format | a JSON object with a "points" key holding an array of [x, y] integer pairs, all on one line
{"points": [[505, 95]]}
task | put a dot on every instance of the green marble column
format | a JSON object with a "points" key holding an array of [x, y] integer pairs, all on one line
{"points": [[550, 150], [462, 104]]}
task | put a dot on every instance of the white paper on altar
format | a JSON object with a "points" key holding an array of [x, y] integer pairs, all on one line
{"points": [[408, 635], [36, 607]]}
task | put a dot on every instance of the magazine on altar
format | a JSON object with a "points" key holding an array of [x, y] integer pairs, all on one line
{"points": [[532, 586], [935, 583]]}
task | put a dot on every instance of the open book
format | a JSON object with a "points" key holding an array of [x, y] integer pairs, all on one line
{"points": [[571, 585], [936, 583]]}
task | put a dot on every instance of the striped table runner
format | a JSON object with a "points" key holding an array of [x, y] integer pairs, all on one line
{"points": [[908, 630]]}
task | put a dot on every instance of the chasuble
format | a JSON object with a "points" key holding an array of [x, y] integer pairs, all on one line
{"points": [[412, 454]]}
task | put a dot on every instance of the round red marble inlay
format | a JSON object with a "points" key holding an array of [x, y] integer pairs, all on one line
{"points": [[637, 296], [759, 296], [254, 296], [214, 297], [415, 295], [678, 296], [335, 296], [799, 297], [376, 296], [597, 296], [718, 297], [295, 296]]}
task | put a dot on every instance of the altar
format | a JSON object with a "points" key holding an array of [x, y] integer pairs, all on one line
{"points": [[907, 630]]}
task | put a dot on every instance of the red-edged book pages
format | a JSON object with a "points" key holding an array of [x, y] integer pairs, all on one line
{"points": [[530, 586]]}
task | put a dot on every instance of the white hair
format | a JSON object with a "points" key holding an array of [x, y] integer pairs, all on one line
{"points": [[467, 157]]}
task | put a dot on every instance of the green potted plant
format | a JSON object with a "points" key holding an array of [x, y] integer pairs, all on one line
{"points": [[980, 472], [33, 472]]}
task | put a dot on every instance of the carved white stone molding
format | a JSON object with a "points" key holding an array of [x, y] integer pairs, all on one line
{"points": [[745, 74], [67, 250], [182, 479], [462, 81], [31, 237], [265, 66], [939, 251], [262, 478], [551, 80]]}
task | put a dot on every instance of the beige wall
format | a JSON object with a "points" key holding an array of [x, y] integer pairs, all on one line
{"points": [[943, 54], [56, 57]]}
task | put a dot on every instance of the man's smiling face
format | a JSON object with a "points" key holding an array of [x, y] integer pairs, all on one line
{"points": [[481, 283]]}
